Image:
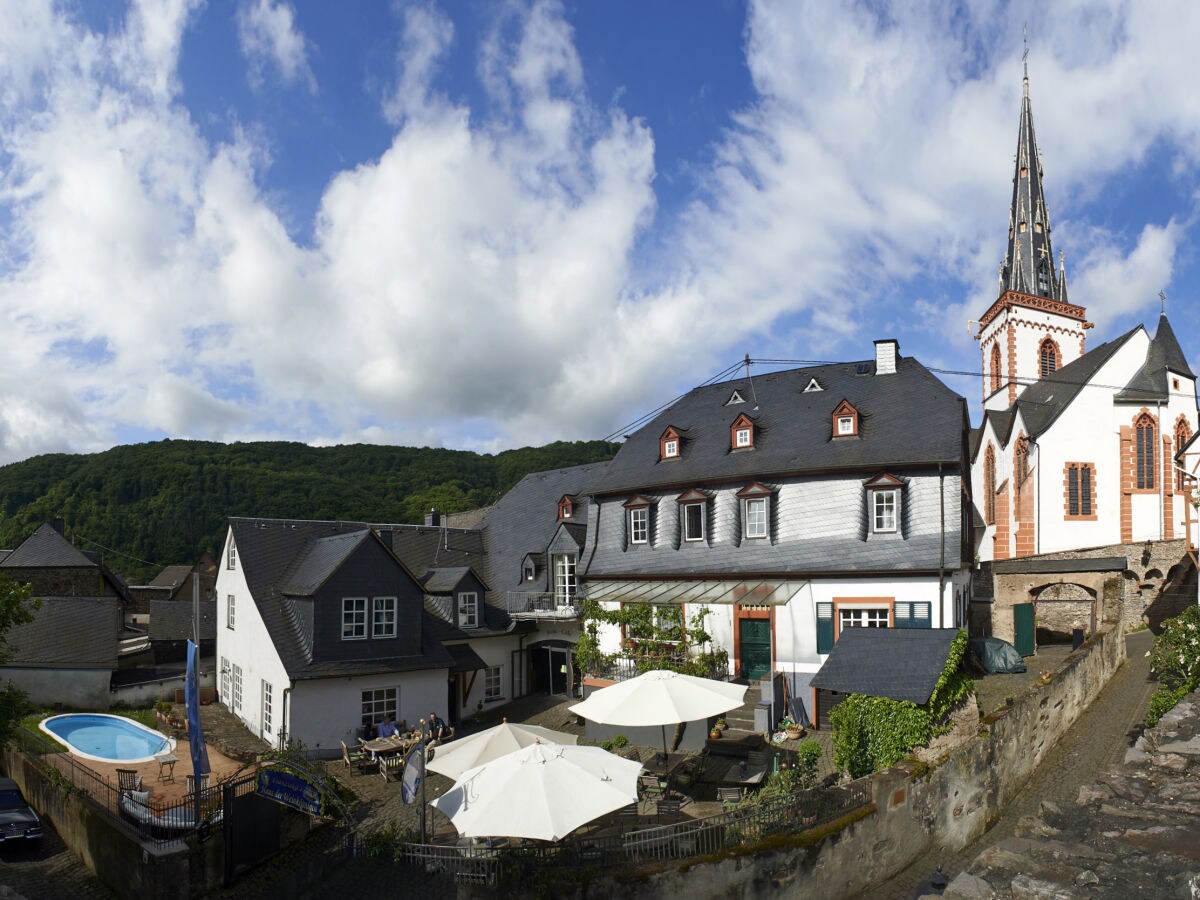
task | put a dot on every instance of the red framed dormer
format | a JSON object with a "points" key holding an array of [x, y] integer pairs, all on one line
{"points": [[566, 507], [669, 445], [845, 420], [741, 433]]}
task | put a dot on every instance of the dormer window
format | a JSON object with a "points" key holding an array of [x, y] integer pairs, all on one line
{"points": [[845, 420], [528, 570], [756, 511], [668, 444], [566, 508], [693, 515], [637, 512], [884, 503], [741, 433], [468, 609]]}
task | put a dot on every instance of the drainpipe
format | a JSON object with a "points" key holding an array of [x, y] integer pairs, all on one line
{"points": [[283, 732], [1162, 480], [942, 547]]}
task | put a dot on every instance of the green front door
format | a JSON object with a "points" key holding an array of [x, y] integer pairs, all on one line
{"points": [[1023, 628], [755, 638]]}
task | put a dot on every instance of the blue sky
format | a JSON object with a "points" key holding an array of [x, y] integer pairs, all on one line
{"points": [[491, 224]]}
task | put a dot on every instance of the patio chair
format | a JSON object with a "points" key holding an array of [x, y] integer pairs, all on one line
{"points": [[128, 780], [190, 781], [626, 815], [390, 765], [729, 796], [355, 759], [667, 809], [651, 786]]}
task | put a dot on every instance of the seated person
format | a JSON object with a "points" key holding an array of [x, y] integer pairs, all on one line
{"points": [[387, 728], [436, 732]]}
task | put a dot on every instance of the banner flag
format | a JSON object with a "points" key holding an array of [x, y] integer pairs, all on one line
{"points": [[191, 697], [414, 774]]}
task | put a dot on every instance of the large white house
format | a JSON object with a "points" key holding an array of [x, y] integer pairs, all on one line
{"points": [[1076, 447]]}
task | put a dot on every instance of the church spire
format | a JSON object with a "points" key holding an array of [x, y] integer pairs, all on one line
{"points": [[1029, 263]]}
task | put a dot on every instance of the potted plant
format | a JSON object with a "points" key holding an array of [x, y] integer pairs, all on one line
{"points": [[791, 728], [714, 732], [720, 724]]}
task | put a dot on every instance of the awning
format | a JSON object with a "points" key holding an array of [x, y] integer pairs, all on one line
{"points": [[465, 659], [755, 592]]}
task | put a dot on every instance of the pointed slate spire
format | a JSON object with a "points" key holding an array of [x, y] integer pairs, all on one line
{"points": [[1029, 263], [1062, 278], [1167, 350]]}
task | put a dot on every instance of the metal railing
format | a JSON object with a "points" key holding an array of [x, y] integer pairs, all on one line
{"points": [[623, 666], [543, 605]]}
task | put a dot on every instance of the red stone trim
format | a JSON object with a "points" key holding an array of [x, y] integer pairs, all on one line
{"points": [[741, 423], [1058, 356], [841, 411], [1010, 299], [1001, 540], [1012, 363], [989, 484]]}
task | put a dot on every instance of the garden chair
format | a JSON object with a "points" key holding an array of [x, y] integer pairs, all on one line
{"points": [[190, 782], [667, 810], [128, 780], [389, 765], [729, 796], [651, 786], [355, 759]]}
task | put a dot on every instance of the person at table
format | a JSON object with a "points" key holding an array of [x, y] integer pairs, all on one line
{"points": [[436, 733], [387, 728]]}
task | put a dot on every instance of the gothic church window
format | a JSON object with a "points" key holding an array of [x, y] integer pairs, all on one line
{"points": [[989, 485], [1182, 434], [995, 368], [1048, 361], [1143, 449]]}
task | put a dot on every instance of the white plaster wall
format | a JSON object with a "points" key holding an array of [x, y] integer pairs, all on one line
{"points": [[248, 645], [494, 652], [1030, 337], [327, 710]]}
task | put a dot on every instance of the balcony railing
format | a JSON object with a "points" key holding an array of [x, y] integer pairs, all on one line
{"points": [[543, 605]]}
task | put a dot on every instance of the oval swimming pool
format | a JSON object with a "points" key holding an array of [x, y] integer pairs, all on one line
{"points": [[107, 738]]}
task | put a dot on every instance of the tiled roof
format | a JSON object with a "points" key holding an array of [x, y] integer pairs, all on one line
{"points": [[320, 558], [899, 663], [68, 633], [44, 549], [171, 620], [793, 428], [443, 581]]}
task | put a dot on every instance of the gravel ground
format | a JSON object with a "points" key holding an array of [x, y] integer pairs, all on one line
{"points": [[1096, 742]]}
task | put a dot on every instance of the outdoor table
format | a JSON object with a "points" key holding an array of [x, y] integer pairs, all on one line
{"points": [[166, 767], [400, 743], [741, 774]]}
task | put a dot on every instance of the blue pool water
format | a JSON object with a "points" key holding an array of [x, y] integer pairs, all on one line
{"points": [[107, 738]]}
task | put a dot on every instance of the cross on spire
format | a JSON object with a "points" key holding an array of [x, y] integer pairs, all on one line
{"points": [[1163, 299]]}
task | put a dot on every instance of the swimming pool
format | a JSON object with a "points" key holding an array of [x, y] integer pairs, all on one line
{"points": [[106, 738]]}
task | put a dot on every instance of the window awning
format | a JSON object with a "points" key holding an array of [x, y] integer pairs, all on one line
{"points": [[465, 659], [754, 592]]}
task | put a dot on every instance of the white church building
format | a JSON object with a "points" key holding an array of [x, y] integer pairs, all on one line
{"points": [[1076, 447]]}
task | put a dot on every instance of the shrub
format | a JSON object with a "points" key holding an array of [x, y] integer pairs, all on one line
{"points": [[808, 758], [1163, 701], [1175, 662]]}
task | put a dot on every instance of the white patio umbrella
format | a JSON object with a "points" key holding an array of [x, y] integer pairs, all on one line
{"points": [[660, 697], [476, 749], [543, 791]]}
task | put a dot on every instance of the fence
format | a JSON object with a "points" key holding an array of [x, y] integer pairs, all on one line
{"points": [[490, 864], [156, 823]]}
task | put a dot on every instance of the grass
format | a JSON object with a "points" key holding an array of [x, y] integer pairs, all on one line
{"points": [[31, 738]]}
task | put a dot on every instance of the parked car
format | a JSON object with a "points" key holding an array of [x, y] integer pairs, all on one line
{"points": [[17, 820]]}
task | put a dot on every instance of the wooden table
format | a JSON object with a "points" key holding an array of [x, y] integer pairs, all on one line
{"points": [[734, 774], [166, 767], [400, 743]]}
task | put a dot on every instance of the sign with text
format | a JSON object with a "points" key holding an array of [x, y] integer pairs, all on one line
{"points": [[291, 790]]}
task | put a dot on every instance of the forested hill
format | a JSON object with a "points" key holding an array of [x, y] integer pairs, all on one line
{"points": [[164, 503]]}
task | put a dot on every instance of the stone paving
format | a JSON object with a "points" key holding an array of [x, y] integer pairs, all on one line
{"points": [[48, 870]]}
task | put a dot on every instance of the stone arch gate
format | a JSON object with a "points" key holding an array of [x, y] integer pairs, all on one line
{"points": [[1062, 592]]}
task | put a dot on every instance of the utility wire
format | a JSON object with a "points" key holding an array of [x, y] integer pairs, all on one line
{"points": [[79, 537]]}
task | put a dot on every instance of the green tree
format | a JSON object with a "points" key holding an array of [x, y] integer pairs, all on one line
{"points": [[15, 609], [1175, 662]]}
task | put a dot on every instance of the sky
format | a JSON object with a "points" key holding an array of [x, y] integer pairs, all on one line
{"points": [[484, 224]]}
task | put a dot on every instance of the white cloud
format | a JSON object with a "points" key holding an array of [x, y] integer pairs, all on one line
{"points": [[475, 285], [269, 38]]}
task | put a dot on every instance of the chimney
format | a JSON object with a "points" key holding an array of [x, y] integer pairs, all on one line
{"points": [[887, 351], [433, 519]]}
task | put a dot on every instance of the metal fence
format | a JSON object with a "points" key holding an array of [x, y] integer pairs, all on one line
{"points": [[543, 605], [155, 822], [482, 862]]}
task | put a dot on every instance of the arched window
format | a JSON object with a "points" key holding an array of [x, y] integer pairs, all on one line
{"points": [[1048, 358], [995, 368], [1021, 460], [1183, 433], [989, 485], [1143, 448]]}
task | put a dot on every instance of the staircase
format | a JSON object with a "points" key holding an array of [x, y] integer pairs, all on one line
{"points": [[739, 735]]}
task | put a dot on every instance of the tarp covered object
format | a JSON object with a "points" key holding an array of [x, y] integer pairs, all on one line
{"points": [[997, 657]]}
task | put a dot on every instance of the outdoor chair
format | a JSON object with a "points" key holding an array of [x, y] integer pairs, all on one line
{"points": [[729, 796], [390, 765], [651, 786], [128, 780], [355, 759], [667, 809], [190, 781], [626, 815]]}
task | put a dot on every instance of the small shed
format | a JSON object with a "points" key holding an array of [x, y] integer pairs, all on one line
{"points": [[898, 663]]}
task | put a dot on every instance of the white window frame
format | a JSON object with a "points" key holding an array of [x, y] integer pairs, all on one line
{"points": [[754, 527], [687, 535], [639, 525], [267, 706], [881, 500], [468, 609], [845, 424], [741, 437], [387, 608], [379, 702], [354, 618], [670, 449], [566, 581], [236, 703], [869, 616], [493, 683], [231, 559], [230, 611], [226, 689], [528, 571]]}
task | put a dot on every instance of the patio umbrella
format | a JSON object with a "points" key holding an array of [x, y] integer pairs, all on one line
{"points": [[543, 791], [660, 697], [477, 749]]}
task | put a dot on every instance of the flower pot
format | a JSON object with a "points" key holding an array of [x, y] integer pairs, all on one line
{"points": [[714, 733], [794, 734]]}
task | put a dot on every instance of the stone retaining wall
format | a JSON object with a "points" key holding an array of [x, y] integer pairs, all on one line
{"points": [[916, 809]]}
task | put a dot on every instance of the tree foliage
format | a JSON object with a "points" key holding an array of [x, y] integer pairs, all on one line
{"points": [[872, 733], [149, 505], [15, 609], [1175, 662], [656, 639]]}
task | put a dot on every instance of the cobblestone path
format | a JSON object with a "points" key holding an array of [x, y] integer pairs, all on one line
{"points": [[49, 871], [1096, 742]]}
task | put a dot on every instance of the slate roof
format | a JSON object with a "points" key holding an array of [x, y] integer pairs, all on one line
{"points": [[465, 659], [68, 633], [1151, 381], [898, 663], [443, 581], [525, 520], [267, 550], [46, 548], [905, 418], [425, 547], [321, 558], [171, 620]]}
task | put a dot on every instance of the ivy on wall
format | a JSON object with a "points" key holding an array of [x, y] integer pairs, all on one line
{"points": [[872, 733], [655, 638]]}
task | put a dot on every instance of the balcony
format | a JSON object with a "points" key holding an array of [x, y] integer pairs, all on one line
{"points": [[543, 605]]}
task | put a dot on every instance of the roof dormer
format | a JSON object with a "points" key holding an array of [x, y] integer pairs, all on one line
{"points": [[845, 420], [741, 433], [566, 507], [669, 444]]}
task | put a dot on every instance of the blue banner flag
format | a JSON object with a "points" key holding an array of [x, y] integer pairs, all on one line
{"points": [[191, 697], [414, 774]]}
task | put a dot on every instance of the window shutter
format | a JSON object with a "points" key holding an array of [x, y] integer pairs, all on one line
{"points": [[922, 615], [902, 615], [824, 627]]}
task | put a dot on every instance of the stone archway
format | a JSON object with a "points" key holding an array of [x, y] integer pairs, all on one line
{"points": [[1062, 607]]}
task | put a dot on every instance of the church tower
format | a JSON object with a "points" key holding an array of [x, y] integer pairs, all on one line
{"points": [[1032, 330]]}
